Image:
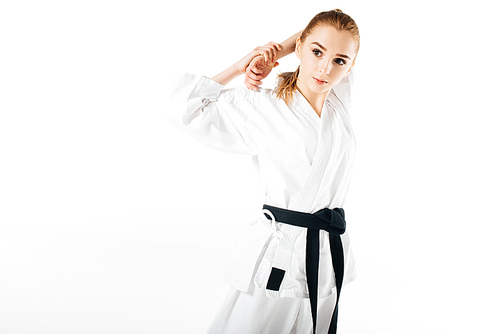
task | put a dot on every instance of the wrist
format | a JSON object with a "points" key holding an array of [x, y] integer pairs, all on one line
{"points": [[237, 69]]}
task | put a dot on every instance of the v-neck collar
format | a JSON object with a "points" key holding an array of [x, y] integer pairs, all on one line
{"points": [[321, 156], [307, 110]]}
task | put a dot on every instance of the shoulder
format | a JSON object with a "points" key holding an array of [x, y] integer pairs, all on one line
{"points": [[242, 94], [342, 91], [198, 85]]}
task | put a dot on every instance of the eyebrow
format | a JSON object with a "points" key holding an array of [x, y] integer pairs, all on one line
{"points": [[338, 54]]}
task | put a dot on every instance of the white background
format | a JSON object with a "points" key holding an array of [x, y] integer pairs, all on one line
{"points": [[113, 221]]}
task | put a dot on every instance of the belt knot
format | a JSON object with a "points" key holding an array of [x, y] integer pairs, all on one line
{"points": [[334, 218]]}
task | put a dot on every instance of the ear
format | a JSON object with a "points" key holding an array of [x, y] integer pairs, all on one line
{"points": [[298, 47]]}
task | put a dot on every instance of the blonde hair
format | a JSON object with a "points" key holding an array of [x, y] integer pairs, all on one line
{"points": [[336, 18]]}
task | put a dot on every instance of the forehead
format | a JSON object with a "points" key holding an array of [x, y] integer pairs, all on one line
{"points": [[333, 40]]}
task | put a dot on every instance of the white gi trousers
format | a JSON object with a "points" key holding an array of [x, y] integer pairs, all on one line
{"points": [[255, 313]]}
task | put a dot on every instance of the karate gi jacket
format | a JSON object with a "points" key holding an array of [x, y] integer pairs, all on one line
{"points": [[304, 163]]}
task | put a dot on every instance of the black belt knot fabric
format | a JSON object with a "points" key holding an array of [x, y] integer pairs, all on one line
{"points": [[330, 220]]}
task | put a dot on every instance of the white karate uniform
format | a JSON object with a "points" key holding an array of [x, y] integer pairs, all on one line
{"points": [[304, 162]]}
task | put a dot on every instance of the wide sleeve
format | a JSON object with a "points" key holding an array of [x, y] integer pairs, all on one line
{"points": [[343, 90], [205, 110]]}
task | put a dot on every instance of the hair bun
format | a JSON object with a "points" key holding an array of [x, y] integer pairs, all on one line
{"points": [[338, 10]]}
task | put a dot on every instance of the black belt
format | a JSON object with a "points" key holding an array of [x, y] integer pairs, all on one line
{"points": [[332, 221]]}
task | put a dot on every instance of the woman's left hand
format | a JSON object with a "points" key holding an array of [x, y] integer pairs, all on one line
{"points": [[258, 69]]}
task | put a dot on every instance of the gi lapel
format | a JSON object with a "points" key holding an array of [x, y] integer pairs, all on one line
{"points": [[305, 199], [311, 185]]}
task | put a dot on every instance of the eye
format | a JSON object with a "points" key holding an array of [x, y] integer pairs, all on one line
{"points": [[340, 61], [317, 52]]}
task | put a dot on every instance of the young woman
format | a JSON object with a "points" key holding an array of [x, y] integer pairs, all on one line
{"points": [[294, 257]]}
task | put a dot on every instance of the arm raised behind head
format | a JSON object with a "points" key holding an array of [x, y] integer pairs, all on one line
{"points": [[258, 69], [269, 52], [258, 63]]}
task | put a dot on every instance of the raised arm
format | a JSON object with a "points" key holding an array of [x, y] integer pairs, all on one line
{"points": [[258, 63], [270, 51], [288, 46], [260, 67]]}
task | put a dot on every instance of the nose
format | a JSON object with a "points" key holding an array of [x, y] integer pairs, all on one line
{"points": [[325, 66]]}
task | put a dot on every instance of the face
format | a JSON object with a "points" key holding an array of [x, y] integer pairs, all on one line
{"points": [[326, 56]]}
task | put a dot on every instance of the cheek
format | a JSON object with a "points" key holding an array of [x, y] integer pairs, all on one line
{"points": [[309, 61], [339, 72]]}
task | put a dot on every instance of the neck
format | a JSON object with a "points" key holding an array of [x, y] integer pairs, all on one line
{"points": [[316, 100]]}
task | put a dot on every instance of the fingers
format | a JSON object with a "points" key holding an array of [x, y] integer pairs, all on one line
{"points": [[269, 52], [273, 48], [267, 55], [276, 45], [253, 75], [254, 88], [253, 79], [252, 84], [261, 64], [255, 69]]}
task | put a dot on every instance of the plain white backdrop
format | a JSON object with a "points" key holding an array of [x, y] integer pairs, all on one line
{"points": [[113, 221]]}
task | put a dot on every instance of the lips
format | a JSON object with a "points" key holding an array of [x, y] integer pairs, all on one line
{"points": [[320, 81]]}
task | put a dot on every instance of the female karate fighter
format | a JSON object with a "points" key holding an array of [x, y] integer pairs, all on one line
{"points": [[295, 256]]}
